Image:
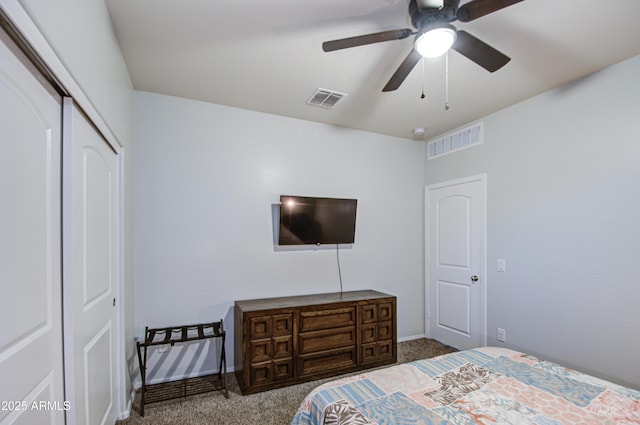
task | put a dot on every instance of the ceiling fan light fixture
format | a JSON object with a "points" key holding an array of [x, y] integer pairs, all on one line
{"points": [[435, 41], [433, 4]]}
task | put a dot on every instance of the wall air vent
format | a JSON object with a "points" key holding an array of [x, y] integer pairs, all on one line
{"points": [[453, 142], [325, 98]]}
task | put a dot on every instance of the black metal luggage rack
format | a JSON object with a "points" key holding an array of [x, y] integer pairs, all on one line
{"points": [[188, 386]]}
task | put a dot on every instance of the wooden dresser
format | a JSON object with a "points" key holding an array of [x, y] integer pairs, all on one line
{"points": [[288, 340]]}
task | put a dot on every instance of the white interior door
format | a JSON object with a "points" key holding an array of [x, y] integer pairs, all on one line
{"points": [[455, 274], [30, 276], [90, 183]]}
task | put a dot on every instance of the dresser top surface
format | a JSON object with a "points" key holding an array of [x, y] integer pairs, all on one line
{"points": [[308, 300]]}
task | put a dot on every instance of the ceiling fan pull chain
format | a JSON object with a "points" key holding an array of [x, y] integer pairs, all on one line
{"points": [[446, 81], [422, 96]]}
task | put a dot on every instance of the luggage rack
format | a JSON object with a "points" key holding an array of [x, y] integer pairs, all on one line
{"points": [[152, 393]]}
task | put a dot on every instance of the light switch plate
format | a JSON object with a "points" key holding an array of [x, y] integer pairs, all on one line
{"points": [[501, 265]]}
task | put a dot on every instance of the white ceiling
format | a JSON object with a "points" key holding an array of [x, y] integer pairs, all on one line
{"points": [[266, 56]]}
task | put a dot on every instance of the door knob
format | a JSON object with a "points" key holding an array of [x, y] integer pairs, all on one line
{"points": [[474, 278]]}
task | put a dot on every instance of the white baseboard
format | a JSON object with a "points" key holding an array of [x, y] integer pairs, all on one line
{"points": [[411, 338], [127, 412], [137, 384]]}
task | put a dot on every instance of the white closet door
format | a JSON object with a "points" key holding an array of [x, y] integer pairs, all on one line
{"points": [[90, 183], [31, 386]]}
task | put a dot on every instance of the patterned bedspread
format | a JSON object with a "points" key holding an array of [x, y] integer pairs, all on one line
{"points": [[479, 386]]}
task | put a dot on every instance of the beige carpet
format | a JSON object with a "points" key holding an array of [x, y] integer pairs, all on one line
{"points": [[275, 407]]}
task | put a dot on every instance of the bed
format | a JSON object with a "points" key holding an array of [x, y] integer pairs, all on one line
{"points": [[486, 385]]}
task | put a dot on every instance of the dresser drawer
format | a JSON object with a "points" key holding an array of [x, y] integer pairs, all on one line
{"points": [[385, 330], [261, 350], [261, 373], [282, 325], [376, 351], [260, 327], [311, 342], [282, 347], [369, 333], [332, 360], [369, 313], [267, 372], [385, 311], [327, 319], [282, 369]]}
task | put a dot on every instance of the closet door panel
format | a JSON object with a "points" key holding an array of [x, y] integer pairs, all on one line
{"points": [[30, 257], [90, 183]]}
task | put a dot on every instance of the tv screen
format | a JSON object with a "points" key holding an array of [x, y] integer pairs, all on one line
{"points": [[307, 220]]}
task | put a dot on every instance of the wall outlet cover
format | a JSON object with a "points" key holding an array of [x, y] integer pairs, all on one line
{"points": [[501, 335]]}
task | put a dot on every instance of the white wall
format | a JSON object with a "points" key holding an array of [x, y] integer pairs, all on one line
{"points": [[563, 210], [207, 178]]}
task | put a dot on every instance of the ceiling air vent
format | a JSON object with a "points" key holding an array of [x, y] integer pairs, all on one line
{"points": [[453, 142], [325, 98]]}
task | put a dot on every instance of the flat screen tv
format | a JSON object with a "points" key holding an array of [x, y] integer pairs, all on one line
{"points": [[315, 221]]}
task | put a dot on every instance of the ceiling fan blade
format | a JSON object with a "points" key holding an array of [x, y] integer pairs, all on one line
{"points": [[479, 52], [477, 8], [361, 40], [403, 70]]}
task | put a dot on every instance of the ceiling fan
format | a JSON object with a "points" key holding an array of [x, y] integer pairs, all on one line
{"points": [[435, 35]]}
